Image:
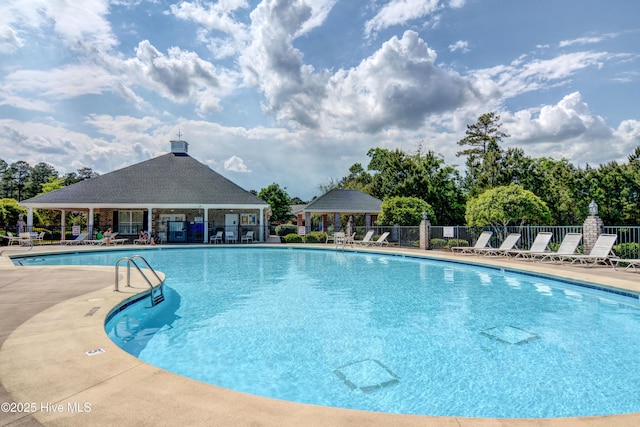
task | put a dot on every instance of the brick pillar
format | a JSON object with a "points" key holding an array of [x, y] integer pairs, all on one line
{"points": [[425, 225], [591, 229]]}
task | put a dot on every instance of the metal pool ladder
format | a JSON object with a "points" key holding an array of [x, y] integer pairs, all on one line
{"points": [[157, 294]]}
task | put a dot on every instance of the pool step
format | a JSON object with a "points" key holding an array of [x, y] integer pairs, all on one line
{"points": [[158, 298]]}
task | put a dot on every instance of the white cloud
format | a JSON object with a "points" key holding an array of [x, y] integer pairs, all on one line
{"points": [[524, 75], [569, 129], [9, 40], [587, 40], [398, 12], [236, 164], [462, 45], [399, 85]]}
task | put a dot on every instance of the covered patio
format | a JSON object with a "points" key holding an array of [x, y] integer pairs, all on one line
{"points": [[175, 197], [337, 203]]}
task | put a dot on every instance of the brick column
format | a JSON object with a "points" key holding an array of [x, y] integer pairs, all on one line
{"points": [[425, 224], [591, 229]]}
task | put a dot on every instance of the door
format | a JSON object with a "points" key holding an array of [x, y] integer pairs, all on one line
{"points": [[174, 221], [231, 226]]}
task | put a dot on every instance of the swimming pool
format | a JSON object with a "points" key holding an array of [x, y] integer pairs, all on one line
{"points": [[384, 333]]}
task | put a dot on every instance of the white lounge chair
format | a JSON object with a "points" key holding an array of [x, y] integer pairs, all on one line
{"points": [[366, 240], [248, 237], [507, 245], [539, 245], [79, 240], [11, 238], [382, 240], [482, 242], [217, 238], [601, 253], [568, 246], [231, 237]]}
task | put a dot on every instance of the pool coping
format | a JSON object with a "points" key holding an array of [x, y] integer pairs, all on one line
{"points": [[44, 359]]}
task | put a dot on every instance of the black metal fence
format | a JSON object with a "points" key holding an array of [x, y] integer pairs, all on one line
{"points": [[440, 237]]}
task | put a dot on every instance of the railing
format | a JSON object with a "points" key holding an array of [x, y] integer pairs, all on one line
{"points": [[131, 261]]}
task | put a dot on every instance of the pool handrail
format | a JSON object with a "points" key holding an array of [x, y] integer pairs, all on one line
{"points": [[131, 260]]}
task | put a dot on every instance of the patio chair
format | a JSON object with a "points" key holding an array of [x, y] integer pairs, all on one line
{"points": [[217, 238], [568, 246], [366, 240], [11, 238], [507, 245], [79, 240], [482, 242], [382, 240], [601, 253], [39, 237], [339, 238], [231, 237], [248, 237], [539, 245]]}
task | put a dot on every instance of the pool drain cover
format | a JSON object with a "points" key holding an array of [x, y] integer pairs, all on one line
{"points": [[510, 334], [367, 375]]}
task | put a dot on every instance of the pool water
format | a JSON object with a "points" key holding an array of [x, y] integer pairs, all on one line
{"points": [[384, 333]]}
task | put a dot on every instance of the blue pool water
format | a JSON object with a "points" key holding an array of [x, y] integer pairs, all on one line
{"points": [[384, 333]]}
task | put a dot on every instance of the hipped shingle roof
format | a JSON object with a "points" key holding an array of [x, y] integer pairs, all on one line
{"points": [[345, 201], [170, 179]]}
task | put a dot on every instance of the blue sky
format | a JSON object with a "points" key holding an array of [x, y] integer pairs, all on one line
{"points": [[294, 92]]}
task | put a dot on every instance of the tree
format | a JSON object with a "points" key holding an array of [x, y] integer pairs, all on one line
{"points": [[40, 175], [507, 205], [483, 138], [404, 211], [420, 175], [10, 211], [279, 201]]}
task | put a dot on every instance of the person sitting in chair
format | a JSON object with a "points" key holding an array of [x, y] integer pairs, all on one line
{"points": [[107, 235]]}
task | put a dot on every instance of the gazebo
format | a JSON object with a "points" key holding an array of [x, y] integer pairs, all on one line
{"points": [[339, 202], [175, 196]]}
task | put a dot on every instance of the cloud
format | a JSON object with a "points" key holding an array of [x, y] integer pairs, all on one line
{"points": [[569, 129], [9, 40], [80, 26], [236, 164], [525, 75], [587, 40], [399, 85], [398, 12], [459, 45]]}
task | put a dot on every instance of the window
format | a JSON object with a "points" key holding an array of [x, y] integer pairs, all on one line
{"points": [[130, 222]]}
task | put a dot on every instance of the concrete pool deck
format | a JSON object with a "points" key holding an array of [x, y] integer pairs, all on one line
{"points": [[51, 317]]}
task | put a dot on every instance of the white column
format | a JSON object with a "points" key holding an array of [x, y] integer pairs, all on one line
{"points": [[263, 224], [150, 220], [63, 224], [30, 219], [90, 223], [206, 225]]}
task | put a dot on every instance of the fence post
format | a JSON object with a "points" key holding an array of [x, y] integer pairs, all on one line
{"points": [[592, 227], [425, 226]]}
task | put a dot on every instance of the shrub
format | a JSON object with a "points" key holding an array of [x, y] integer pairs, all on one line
{"points": [[626, 250], [315, 237], [293, 238], [437, 243], [284, 229], [452, 243]]}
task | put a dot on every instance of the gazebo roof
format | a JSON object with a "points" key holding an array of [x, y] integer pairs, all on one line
{"points": [[344, 201], [171, 179]]}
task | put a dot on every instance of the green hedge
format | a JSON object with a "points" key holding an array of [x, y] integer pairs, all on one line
{"points": [[626, 250], [293, 238], [453, 243], [284, 229], [315, 237]]}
